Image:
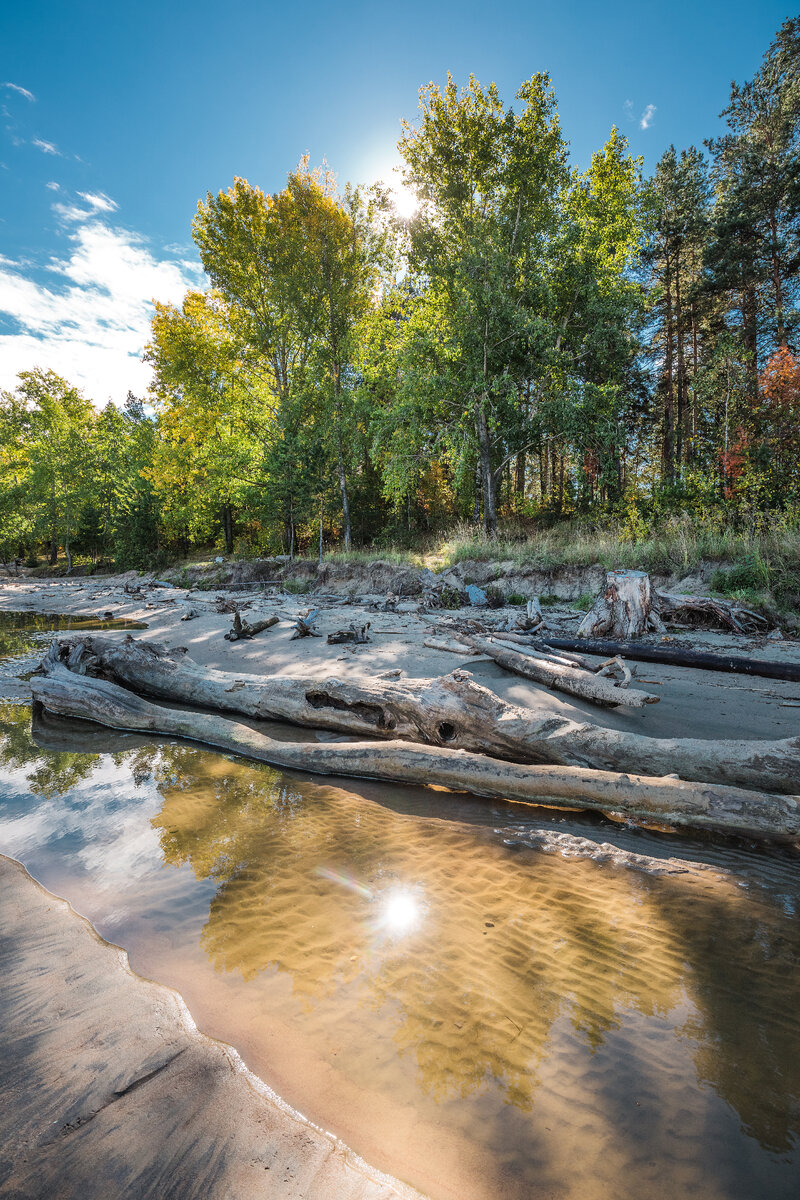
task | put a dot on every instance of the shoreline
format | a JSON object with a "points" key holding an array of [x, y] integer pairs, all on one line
{"points": [[694, 703], [130, 1044]]}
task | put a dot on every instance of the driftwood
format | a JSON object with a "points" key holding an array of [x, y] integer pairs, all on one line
{"points": [[562, 676], [353, 636], [190, 614], [451, 711], [668, 799], [724, 613], [733, 664], [246, 629], [626, 608], [304, 625], [630, 607], [449, 645]]}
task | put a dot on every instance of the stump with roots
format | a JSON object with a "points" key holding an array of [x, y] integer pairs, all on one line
{"points": [[626, 609]]}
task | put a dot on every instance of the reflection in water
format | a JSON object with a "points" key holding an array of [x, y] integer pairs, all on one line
{"points": [[24, 636], [480, 1019]]}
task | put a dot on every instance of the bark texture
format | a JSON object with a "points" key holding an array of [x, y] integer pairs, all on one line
{"points": [[451, 711], [677, 802], [626, 609]]}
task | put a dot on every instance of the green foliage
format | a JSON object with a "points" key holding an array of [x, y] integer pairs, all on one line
{"points": [[450, 597], [601, 367]]}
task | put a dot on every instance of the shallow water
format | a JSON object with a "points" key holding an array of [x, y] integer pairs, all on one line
{"points": [[24, 636], [420, 973]]}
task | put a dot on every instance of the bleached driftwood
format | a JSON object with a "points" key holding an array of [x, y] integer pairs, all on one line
{"points": [[670, 800], [723, 613], [624, 610], [356, 635], [452, 710], [562, 676], [304, 625], [449, 645]]}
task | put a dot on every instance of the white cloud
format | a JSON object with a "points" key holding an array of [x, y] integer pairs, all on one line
{"points": [[627, 108], [72, 212], [90, 322], [47, 147], [15, 87], [53, 186], [99, 201], [647, 116]]}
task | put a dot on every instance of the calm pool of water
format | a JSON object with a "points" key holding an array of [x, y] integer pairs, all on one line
{"points": [[481, 1018], [24, 636]]}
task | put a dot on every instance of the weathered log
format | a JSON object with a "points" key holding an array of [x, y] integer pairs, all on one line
{"points": [[449, 646], [246, 629], [564, 677], [669, 800], [626, 609], [304, 625], [734, 664], [725, 613], [452, 710], [355, 635]]}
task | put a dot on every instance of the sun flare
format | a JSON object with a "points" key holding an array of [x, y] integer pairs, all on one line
{"points": [[405, 202]]}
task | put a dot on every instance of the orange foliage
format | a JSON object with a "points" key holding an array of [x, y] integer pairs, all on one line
{"points": [[733, 461], [780, 380]]}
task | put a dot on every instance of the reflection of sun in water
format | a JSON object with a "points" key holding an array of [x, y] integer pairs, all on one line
{"points": [[400, 912], [405, 202]]}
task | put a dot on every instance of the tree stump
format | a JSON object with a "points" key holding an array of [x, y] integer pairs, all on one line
{"points": [[626, 609]]}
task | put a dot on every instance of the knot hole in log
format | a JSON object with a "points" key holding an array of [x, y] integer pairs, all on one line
{"points": [[373, 713], [446, 731]]}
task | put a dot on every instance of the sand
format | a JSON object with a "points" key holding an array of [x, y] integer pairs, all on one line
{"points": [[109, 1089]]}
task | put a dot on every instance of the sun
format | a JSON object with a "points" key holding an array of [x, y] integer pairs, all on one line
{"points": [[404, 202]]}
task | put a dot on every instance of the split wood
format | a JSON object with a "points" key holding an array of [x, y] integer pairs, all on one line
{"points": [[66, 692], [452, 711], [245, 629]]}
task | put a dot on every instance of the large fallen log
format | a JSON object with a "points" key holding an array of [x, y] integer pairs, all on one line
{"points": [[669, 800], [564, 677], [735, 664], [451, 711]]}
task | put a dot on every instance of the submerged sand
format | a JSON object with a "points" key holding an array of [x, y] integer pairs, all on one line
{"points": [[91, 1043], [109, 1089]]}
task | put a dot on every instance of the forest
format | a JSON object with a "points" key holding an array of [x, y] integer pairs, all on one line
{"points": [[533, 345]]}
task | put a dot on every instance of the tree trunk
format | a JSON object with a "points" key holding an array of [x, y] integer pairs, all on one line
{"points": [[348, 538], [453, 711], [668, 800], [487, 474], [626, 609], [227, 527], [668, 436]]}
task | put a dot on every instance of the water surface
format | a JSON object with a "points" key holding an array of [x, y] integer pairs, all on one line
{"points": [[479, 1016]]}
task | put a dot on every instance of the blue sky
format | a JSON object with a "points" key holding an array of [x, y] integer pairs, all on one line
{"points": [[117, 118]]}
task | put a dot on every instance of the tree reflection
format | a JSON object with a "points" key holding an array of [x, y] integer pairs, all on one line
{"points": [[48, 773], [505, 947]]}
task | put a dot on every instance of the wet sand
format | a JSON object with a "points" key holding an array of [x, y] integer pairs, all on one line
{"points": [[109, 1089], [694, 704]]}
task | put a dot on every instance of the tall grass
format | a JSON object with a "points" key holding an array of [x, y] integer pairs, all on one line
{"points": [[759, 560]]}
